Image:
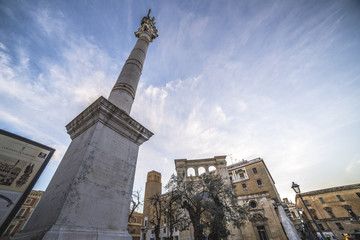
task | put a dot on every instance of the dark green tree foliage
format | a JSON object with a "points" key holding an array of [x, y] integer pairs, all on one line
{"points": [[210, 204]]}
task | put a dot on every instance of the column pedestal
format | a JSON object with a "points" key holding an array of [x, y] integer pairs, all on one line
{"points": [[89, 195]]}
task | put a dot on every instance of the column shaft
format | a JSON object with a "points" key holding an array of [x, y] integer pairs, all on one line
{"points": [[123, 93]]}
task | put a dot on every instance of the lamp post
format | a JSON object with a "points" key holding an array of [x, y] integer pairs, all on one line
{"points": [[296, 188]]}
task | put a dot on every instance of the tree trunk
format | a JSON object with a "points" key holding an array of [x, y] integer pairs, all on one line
{"points": [[157, 232], [198, 234], [198, 229]]}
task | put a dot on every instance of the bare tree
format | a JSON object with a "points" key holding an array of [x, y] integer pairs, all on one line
{"points": [[135, 202], [174, 215], [156, 201], [166, 208]]}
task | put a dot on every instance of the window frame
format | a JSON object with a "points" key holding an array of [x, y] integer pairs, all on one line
{"points": [[340, 227], [321, 227], [21, 212], [313, 214], [330, 212], [340, 198], [350, 211], [262, 232], [253, 204]]}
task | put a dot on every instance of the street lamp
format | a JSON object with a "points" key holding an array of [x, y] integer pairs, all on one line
{"points": [[296, 189]]}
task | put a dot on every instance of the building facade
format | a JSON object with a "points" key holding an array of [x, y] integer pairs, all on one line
{"points": [[336, 210], [134, 225], [253, 177], [23, 215], [255, 189]]}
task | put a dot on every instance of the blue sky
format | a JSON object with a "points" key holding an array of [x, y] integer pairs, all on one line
{"points": [[278, 80]]}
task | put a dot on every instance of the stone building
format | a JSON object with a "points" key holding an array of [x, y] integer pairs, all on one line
{"points": [[134, 225], [336, 210], [253, 177], [23, 215], [152, 187], [255, 189]]}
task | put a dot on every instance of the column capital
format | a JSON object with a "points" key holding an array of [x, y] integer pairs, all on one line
{"points": [[147, 27]]}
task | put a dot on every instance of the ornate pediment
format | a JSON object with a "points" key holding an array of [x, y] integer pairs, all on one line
{"points": [[257, 217]]}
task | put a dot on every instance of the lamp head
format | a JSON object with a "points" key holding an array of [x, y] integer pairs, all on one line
{"points": [[296, 188]]}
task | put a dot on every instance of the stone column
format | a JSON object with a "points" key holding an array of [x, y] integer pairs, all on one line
{"points": [[123, 92], [89, 196], [180, 166], [221, 168]]}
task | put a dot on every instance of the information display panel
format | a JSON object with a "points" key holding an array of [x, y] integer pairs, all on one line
{"points": [[21, 164]]}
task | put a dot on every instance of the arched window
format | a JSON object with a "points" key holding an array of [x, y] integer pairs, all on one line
{"points": [[190, 172], [212, 170], [201, 171]]}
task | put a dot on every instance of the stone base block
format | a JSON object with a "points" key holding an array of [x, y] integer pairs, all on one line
{"points": [[70, 233]]}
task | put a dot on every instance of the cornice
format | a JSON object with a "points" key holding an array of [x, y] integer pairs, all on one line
{"points": [[102, 110], [333, 189]]}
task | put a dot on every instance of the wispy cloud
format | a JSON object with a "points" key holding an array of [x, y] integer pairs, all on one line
{"points": [[272, 80], [269, 103], [60, 89]]}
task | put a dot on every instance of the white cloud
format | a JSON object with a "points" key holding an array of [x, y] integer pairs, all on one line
{"points": [[50, 22], [42, 104], [353, 165], [212, 84], [349, 167], [2, 46], [241, 106]]}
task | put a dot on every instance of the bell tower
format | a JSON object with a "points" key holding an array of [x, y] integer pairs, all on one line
{"points": [[152, 187]]}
